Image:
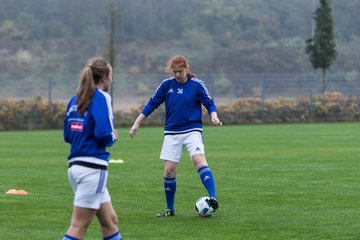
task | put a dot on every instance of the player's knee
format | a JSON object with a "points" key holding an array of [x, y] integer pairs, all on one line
{"points": [[169, 173], [199, 161], [110, 222], [79, 228], [115, 220]]}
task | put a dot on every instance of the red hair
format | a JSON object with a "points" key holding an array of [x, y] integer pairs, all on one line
{"points": [[178, 61]]}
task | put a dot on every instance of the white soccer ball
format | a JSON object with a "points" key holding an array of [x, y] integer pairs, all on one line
{"points": [[203, 207]]}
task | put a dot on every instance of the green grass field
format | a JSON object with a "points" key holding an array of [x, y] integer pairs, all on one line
{"points": [[296, 181]]}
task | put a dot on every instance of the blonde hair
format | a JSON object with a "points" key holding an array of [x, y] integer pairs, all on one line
{"points": [[91, 75], [178, 61]]}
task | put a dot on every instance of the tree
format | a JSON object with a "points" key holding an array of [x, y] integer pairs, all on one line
{"points": [[321, 47], [9, 31], [112, 48]]}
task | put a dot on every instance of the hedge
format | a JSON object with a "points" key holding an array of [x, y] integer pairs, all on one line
{"points": [[328, 107]]}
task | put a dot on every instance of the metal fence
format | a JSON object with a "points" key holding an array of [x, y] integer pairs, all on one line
{"points": [[132, 90]]}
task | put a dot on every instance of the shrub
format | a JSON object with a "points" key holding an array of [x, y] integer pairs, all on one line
{"points": [[30, 114], [328, 107]]}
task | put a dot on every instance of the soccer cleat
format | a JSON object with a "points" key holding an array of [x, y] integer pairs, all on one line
{"points": [[166, 213], [214, 203]]}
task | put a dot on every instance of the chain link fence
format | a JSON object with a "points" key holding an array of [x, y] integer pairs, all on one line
{"points": [[130, 88], [131, 91], [241, 98]]}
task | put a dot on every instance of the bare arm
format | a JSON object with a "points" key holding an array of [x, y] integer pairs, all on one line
{"points": [[136, 125]]}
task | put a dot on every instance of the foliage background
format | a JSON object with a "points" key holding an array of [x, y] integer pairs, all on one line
{"points": [[328, 107], [231, 36]]}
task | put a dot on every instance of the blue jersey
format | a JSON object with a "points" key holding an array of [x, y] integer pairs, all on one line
{"points": [[91, 133], [182, 104]]}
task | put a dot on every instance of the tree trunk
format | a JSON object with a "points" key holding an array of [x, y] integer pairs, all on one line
{"points": [[112, 50], [323, 80]]}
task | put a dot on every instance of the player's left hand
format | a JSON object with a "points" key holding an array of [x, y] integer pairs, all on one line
{"points": [[215, 120], [218, 124]]}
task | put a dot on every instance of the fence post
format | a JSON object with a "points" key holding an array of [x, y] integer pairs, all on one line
{"points": [[50, 122], [49, 90], [311, 107], [262, 87], [357, 92]]}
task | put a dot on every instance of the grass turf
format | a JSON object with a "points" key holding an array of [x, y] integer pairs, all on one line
{"points": [[296, 181]]}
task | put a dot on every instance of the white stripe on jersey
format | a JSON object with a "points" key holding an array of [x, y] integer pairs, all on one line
{"points": [[108, 103], [168, 79], [203, 85]]}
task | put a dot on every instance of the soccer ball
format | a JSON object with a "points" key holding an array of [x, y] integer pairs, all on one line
{"points": [[203, 207]]}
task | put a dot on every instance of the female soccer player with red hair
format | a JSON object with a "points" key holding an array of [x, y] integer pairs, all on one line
{"points": [[183, 95]]}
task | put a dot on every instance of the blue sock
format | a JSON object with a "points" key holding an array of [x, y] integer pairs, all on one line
{"points": [[208, 180], [115, 236], [68, 237], [170, 189]]}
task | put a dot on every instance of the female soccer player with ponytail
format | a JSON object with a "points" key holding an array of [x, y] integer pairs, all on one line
{"points": [[89, 130], [183, 95]]}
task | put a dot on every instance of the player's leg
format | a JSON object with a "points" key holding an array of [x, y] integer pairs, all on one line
{"points": [[205, 173], [80, 221], [108, 221], [169, 188], [170, 153], [195, 146], [89, 186]]}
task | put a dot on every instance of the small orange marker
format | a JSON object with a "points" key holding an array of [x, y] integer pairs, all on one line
{"points": [[17, 192], [21, 192], [11, 191]]}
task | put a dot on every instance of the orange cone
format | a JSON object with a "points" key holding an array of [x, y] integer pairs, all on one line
{"points": [[21, 192], [11, 191]]}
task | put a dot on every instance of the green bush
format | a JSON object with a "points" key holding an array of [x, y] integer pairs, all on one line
{"points": [[328, 107], [30, 114]]}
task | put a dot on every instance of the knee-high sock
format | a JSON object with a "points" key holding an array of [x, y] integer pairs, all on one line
{"points": [[208, 180], [115, 236], [68, 237], [170, 189]]}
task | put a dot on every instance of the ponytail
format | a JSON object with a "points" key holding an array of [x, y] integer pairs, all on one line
{"points": [[85, 91], [190, 74], [91, 75]]}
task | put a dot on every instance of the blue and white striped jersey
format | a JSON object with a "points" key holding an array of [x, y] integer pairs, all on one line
{"points": [[89, 135], [182, 104]]}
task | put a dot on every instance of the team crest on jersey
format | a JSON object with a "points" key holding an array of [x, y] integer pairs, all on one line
{"points": [[76, 126], [180, 91]]}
